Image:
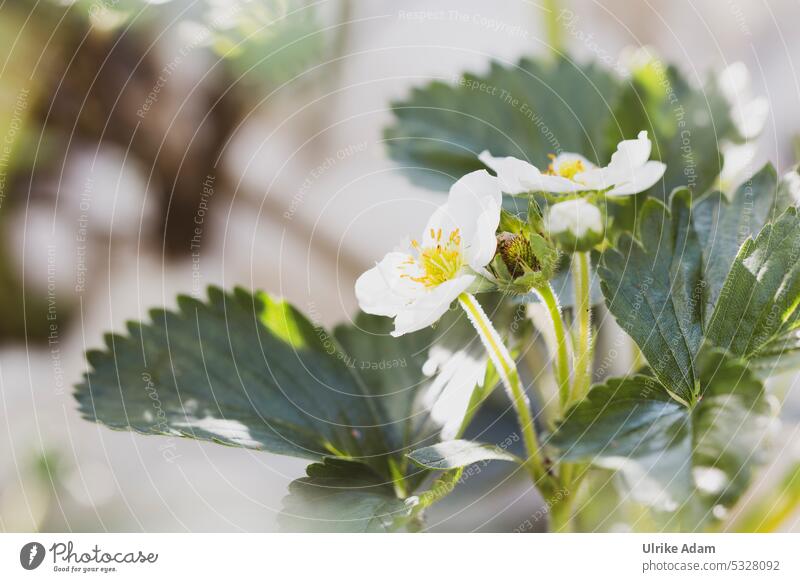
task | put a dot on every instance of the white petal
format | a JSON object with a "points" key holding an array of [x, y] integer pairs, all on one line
{"points": [[382, 291], [473, 207], [631, 155], [518, 176], [751, 117], [480, 248], [575, 216], [442, 218], [478, 191], [642, 179], [737, 164], [457, 374], [426, 309], [512, 173], [749, 114], [734, 82], [555, 184]]}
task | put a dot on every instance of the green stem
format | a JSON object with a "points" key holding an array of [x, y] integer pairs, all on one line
{"points": [[554, 29], [561, 514], [562, 357], [507, 370], [583, 351], [439, 489]]}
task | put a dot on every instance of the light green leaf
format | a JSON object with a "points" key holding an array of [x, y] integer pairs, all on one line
{"points": [[341, 496], [654, 288], [246, 370], [459, 453], [669, 455]]}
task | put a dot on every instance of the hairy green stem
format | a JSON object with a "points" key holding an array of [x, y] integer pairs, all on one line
{"points": [[507, 369], [440, 488], [562, 357], [583, 309]]}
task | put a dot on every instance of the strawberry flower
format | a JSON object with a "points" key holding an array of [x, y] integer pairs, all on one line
{"points": [[417, 285], [630, 171]]}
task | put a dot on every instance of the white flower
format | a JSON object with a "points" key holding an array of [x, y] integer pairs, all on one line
{"points": [[417, 286], [749, 113], [576, 217], [455, 373], [737, 165], [630, 171]]}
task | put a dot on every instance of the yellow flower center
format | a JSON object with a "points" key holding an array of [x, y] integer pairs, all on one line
{"points": [[566, 170], [439, 262]]}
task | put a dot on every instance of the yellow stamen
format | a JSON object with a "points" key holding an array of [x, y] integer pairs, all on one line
{"points": [[566, 170], [438, 263]]}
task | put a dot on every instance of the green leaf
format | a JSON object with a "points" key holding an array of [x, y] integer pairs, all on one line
{"points": [[459, 453], [528, 110], [685, 122], [654, 287], [672, 456], [664, 287], [341, 496], [757, 316], [249, 371], [629, 417], [722, 225], [392, 370], [535, 108]]}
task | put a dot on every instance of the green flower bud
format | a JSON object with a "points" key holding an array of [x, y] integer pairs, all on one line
{"points": [[525, 256], [517, 254]]}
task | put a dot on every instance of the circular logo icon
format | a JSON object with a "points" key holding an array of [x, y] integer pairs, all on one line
{"points": [[31, 555]]}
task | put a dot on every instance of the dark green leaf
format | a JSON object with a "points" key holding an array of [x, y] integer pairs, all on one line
{"points": [[629, 417], [528, 111], [391, 368], [535, 108], [670, 455], [722, 225], [686, 124], [757, 315], [341, 496], [246, 370], [654, 287], [683, 282], [459, 453]]}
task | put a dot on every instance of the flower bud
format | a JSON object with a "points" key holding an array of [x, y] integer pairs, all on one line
{"points": [[516, 251], [575, 225], [525, 256]]}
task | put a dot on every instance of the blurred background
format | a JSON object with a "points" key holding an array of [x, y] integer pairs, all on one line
{"points": [[153, 148]]}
